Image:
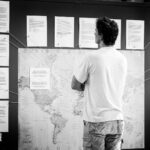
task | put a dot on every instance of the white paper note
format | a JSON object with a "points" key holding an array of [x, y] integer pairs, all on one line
{"points": [[87, 33], [4, 83], [64, 31], [4, 16], [36, 31], [39, 78], [3, 116], [4, 50], [0, 137], [135, 34]]}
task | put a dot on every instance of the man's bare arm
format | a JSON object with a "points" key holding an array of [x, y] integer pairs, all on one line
{"points": [[76, 85]]}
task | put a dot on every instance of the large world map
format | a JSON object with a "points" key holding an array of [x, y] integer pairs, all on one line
{"points": [[51, 119]]}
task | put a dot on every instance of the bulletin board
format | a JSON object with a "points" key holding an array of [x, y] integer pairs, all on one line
{"points": [[57, 110]]}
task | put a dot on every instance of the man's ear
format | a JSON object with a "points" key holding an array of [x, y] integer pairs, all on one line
{"points": [[100, 37]]}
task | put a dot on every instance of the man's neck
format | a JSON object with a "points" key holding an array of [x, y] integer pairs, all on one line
{"points": [[101, 45]]}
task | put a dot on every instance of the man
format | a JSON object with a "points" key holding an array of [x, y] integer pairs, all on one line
{"points": [[101, 75]]}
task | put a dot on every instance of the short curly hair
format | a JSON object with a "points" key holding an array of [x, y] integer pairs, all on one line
{"points": [[108, 29]]}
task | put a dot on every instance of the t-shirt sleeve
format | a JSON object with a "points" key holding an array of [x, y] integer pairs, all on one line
{"points": [[81, 69]]}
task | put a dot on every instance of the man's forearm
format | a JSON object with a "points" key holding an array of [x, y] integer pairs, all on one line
{"points": [[76, 85]]}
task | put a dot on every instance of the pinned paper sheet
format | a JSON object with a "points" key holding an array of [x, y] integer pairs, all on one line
{"points": [[86, 33], [36, 31], [4, 16], [39, 78], [4, 116], [4, 50], [4, 83], [64, 31], [135, 34], [0, 137]]}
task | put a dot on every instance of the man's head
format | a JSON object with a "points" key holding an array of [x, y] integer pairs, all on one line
{"points": [[106, 31]]}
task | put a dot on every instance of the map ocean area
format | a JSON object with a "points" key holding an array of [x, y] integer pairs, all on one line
{"points": [[56, 121]]}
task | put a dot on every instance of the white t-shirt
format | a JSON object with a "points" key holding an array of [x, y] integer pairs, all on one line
{"points": [[104, 71]]}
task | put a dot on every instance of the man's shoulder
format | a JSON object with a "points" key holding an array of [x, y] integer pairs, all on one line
{"points": [[122, 57], [92, 54], [120, 54]]}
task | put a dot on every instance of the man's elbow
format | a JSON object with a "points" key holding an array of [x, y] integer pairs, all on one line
{"points": [[77, 87], [73, 86], [73, 83]]}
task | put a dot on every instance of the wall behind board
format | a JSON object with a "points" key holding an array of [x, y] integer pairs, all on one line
{"points": [[18, 12]]}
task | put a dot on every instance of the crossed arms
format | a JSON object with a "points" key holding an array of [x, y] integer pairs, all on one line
{"points": [[76, 85]]}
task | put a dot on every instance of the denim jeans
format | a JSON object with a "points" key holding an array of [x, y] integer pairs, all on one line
{"points": [[103, 135]]}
